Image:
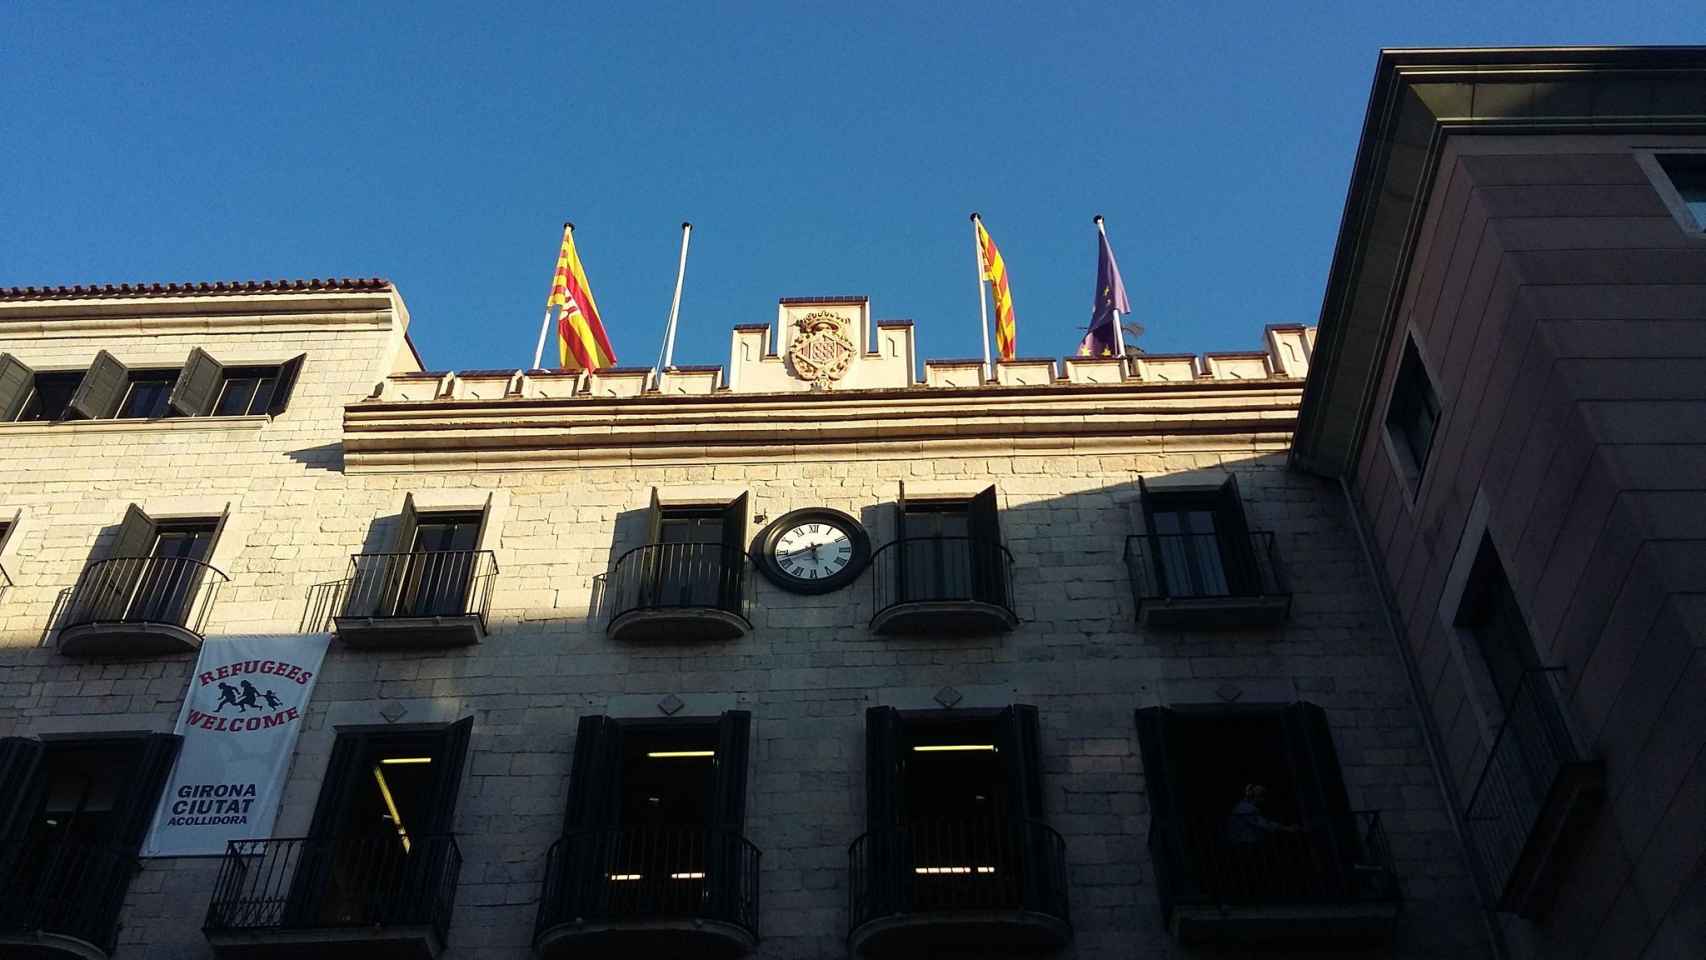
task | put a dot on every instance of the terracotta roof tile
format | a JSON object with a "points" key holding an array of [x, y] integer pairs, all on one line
{"points": [[221, 287]]}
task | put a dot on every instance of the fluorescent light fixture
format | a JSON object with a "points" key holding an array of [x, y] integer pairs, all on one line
{"points": [[626, 876], [950, 871], [687, 876], [397, 761], [954, 747], [391, 805], [679, 754]]}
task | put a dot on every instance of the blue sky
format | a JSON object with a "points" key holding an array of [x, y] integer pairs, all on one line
{"points": [[817, 148]]}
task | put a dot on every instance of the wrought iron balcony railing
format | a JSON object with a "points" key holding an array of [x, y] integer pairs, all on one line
{"points": [[942, 571], [675, 580], [642, 875], [944, 867], [1252, 861], [138, 605], [1536, 781], [385, 880], [420, 585], [1206, 578], [63, 889]]}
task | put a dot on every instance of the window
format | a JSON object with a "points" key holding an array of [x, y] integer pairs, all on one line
{"points": [[950, 549], [695, 557], [111, 390], [1493, 618], [1413, 414], [1200, 545], [1687, 173], [154, 572], [656, 819], [72, 815]]}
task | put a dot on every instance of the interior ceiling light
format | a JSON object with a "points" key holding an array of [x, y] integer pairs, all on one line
{"points": [[391, 805], [954, 747], [395, 761], [679, 754], [950, 871], [687, 876], [625, 876]]}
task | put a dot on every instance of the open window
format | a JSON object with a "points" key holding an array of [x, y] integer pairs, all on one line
{"points": [[1199, 564], [109, 389], [73, 814], [688, 580], [152, 591], [432, 588], [1252, 832], [955, 823], [653, 839], [1687, 175], [26, 395], [206, 387], [947, 569]]}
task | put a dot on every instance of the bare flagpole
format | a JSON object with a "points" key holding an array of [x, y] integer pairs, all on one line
{"points": [[982, 301], [666, 360], [545, 324], [1119, 331]]}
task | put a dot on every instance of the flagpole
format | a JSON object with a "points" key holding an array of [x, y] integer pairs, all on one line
{"points": [[1119, 331], [982, 301], [668, 359], [545, 324]]}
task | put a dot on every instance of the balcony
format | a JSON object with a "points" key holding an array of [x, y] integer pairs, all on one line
{"points": [[944, 585], [381, 897], [1329, 882], [414, 601], [61, 900], [1207, 581], [677, 592], [1534, 800], [648, 892], [138, 606], [940, 886]]}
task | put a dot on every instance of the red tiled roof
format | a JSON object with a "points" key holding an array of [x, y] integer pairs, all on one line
{"points": [[221, 287]]}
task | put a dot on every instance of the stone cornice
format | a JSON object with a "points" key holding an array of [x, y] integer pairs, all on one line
{"points": [[116, 317], [1244, 418]]}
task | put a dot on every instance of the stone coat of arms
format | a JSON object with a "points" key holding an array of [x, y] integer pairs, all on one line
{"points": [[821, 352]]}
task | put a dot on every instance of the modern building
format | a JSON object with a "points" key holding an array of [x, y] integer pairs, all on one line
{"points": [[810, 656]]}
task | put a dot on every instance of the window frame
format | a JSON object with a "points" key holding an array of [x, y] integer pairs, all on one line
{"points": [[1652, 163], [1399, 444]]}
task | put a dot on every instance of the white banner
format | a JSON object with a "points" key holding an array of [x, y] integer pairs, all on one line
{"points": [[240, 721]]}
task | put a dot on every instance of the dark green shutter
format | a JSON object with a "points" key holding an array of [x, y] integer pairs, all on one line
{"points": [[1017, 736], [16, 381], [885, 872], [20, 761], [452, 757], [1322, 801], [403, 538], [901, 547], [728, 800], [104, 591], [288, 372], [1160, 774], [595, 780], [343, 771], [102, 389], [136, 535], [733, 565], [197, 386], [158, 752], [1158, 568], [645, 582], [989, 562], [1236, 551]]}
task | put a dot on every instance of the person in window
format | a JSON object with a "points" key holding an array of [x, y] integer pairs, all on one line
{"points": [[1248, 826], [1255, 865]]}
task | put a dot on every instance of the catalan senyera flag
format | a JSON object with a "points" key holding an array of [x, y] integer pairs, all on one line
{"points": [[581, 343], [995, 271]]}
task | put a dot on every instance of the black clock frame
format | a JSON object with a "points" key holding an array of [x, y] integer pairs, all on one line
{"points": [[763, 550]]}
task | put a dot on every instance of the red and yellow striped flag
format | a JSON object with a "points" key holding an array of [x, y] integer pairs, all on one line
{"points": [[581, 343], [995, 271]]}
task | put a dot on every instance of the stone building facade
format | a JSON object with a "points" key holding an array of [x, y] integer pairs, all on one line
{"points": [[564, 469]]}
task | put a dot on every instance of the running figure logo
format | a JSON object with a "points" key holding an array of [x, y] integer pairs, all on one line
{"points": [[249, 697]]}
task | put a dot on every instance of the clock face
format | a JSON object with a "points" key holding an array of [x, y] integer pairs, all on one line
{"points": [[814, 550]]}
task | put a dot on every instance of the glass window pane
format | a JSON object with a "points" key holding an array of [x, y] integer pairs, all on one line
{"points": [[146, 400], [235, 397], [263, 395]]}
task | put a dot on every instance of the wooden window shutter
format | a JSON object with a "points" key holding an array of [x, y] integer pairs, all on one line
{"points": [[343, 771], [158, 754], [1237, 553], [1017, 732], [1167, 848], [901, 547], [16, 381], [20, 761], [654, 519], [102, 389], [105, 593], [403, 538], [288, 372], [989, 563], [595, 779], [884, 802], [728, 800], [1315, 765], [136, 534], [729, 592], [452, 757], [197, 386]]}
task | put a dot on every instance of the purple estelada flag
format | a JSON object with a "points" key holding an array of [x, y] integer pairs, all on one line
{"points": [[1103, 337]]}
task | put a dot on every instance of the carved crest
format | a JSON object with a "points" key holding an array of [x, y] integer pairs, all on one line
{"points": [[821, 351]]}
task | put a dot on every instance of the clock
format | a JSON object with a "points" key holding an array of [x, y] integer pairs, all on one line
{"points": [[814, 550]]}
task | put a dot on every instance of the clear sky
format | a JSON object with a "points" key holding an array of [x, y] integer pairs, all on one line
{"points": [[818, 149]]}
